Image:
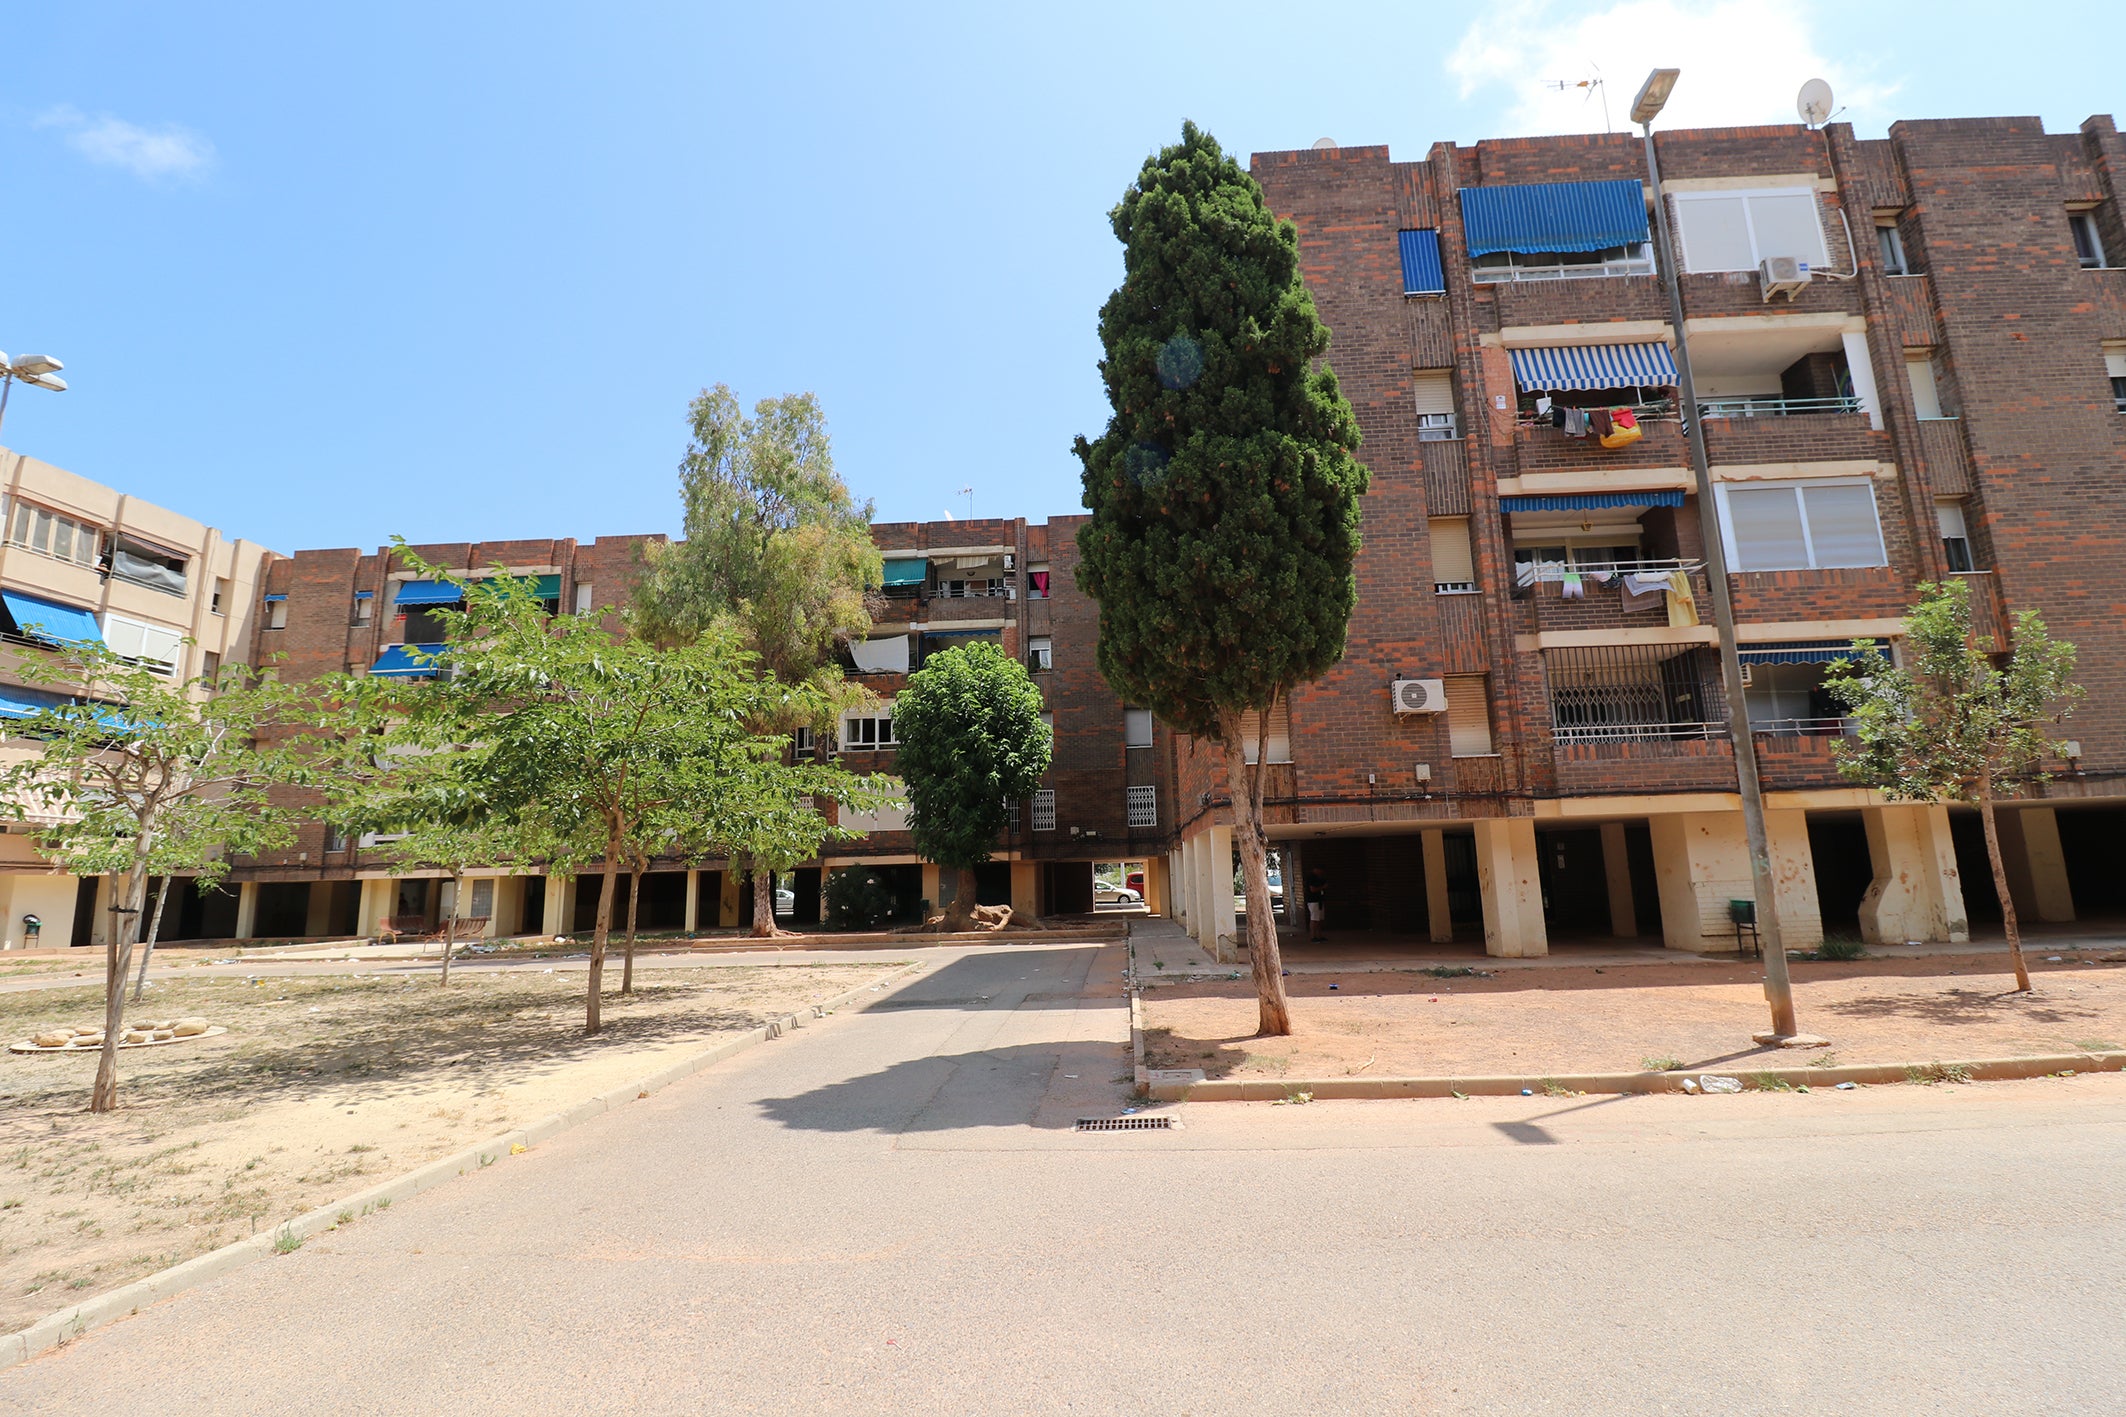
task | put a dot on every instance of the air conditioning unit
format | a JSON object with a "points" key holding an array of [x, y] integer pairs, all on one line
{"points": [[1783, 275], [1011, 560], [1419, 695]]}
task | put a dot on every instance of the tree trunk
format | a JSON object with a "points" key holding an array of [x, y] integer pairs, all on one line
{"points": [[140, 984], [450, 921], [608, 884], [116, 958], [960, 914], [763, 901], [2000, 884], [627, 959], [1273, 1009]]}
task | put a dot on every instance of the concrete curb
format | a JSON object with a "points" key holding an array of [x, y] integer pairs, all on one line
{"points": [[72, 1322], [1267, 1090]]}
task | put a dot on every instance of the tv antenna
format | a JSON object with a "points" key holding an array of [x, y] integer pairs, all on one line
{"points": [[1594, 86], [968, 493], [1813, 103]]}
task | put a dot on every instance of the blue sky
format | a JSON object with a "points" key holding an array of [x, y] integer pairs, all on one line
{"points": [[321, 274]]}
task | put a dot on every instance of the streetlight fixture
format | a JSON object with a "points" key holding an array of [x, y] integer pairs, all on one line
{"points": [[1778, 987], [38, 370]]}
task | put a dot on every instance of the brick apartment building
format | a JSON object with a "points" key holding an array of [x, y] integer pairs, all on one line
{"points": [[1526, 741], [1942, 394]]}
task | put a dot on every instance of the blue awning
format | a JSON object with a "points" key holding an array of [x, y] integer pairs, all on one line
{"points": [[1422, 274], [365, 595], [405, 661], [1594, 366], [428, 593], [1798, 652], [272, 598], [50, 621], [28, 703], [904, 570], [1588, 501], [1554, 216]]}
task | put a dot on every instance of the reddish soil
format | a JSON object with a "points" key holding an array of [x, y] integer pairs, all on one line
{"points": [[1620, 1018]]}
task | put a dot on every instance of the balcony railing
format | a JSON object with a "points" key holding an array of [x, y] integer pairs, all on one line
{"points": [[1492, 275], [1802, 727], [1637, 732], [1764, 406], [1533, 572], [1651, 411]]}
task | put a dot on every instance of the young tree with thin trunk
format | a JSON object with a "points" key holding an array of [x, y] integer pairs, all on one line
{"points": [[1225, 491], [971, 743], [776, 548], [1952, 725], [135, 768]]}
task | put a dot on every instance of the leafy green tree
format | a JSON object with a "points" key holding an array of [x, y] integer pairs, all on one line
{"points": [[775, 547], [1224, 493], [776, 822], [136, 769], [1950, 725], [971, 743]]}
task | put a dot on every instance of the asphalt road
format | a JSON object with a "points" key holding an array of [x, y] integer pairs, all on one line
{"points": [[889, 1212]]}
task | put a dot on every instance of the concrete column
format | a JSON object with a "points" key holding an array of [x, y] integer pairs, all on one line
{"points": [[2036, 863], [934, 886], [1512, 887], [1185, 882], [1026, 886], [1701, 862], [554, 912], [1616, 866], [1220, 923], [1916, 894], [378, 895], [693, 915], [1862, 371], [246, 910], [1439, 914], [1794, 878]]}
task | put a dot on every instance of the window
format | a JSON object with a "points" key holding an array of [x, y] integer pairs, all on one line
{"points": [[221, 596], [803, 742], [54, 534], [151, 566], [1892, 246], [1044, 810], [1453, 567], [583, 598], [868, 732], [1037, 581], [1040, 653], [364, 607], [151, 645], [1955, 539], [1011, 816], [483, 899], [1801, 526], [335, 839], [424, 624], [209, 666], [1435, 406], [276, 612], [1468, 716], [1619, 693], [1633, 259], [1422, 274], [1280, 738], [883, 819], [1136, 728], [2088, 241], [1738, 231], [2115, 366], [1926, 388], [1144, 806]]}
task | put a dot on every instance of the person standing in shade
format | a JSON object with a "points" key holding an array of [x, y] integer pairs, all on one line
{"points": [[1317, 898]]}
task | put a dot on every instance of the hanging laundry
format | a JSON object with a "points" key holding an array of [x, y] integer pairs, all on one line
{"points": [[1557, 415], [1571, 588], [1643, 590], [1603, 576], [1682, 605], [1524, 574], [1598, 422], [1623, 429], [1575, 422]]}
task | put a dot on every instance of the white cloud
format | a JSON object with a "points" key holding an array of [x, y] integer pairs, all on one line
{"points": [[164, 153], [1742, 63]]}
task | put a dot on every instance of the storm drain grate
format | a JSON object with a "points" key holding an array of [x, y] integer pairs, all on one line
{"points": [[1124, 1124]]}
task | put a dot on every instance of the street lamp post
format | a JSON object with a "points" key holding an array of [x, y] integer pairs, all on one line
{"points": [[38, 370], [1778, 987]]}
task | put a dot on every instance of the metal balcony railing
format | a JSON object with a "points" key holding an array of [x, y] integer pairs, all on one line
{"points": [[1637, 732], [1529, 573], [1767, 406], [1802, 727]]}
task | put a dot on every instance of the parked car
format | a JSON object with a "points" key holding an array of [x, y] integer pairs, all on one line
{"points": [[1108, 893], [1135, 881], [785, 901]]}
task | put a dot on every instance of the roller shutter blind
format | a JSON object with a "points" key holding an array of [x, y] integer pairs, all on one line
{"points": [[1468, 716], [1435, 391], [1280, 743], [1452, 562]]}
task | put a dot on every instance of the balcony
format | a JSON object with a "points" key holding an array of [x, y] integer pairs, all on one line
{"points": [[1592, 767], [1617, 603], [1774, 429], [1793, 754], [1540, 446]]}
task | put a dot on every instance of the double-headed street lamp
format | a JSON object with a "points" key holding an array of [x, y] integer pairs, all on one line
{"points": [[38, 370], [1778, 988]]}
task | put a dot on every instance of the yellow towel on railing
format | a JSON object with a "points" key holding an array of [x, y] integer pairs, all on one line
{"points": [[1682, 605]]}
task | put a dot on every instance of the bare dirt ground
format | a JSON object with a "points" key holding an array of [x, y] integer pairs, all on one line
{"points": [[1567, 1019], [321, 1087]]}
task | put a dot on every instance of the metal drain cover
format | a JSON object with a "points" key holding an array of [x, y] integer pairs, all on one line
{"points": [[1125, 1124]]}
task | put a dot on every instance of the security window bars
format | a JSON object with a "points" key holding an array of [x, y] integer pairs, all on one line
{"points": [[1044, 810], [1624, 693], [1144, 806]]}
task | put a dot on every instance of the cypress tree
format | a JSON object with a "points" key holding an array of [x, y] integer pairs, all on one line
{"points": [[1224, 493]]}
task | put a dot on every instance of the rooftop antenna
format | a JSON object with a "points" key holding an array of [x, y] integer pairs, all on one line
{"points": [[968, 493], [1594, 86], [1813, 103]]}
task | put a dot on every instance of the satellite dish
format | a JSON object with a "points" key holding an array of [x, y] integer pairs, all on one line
{"points": [[1323, 143], [1814, 102]]}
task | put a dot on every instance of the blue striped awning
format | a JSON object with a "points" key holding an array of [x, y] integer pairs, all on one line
{"points": [[1554, 216], [1594, 366], [1798, 652], [28, 703], [1422, 274], [405, 661], [427, 593], [1588, 501], [48, 620]]}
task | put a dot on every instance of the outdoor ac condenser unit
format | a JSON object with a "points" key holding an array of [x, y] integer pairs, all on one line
{"points": [[1420, 695], [1783, 275]]}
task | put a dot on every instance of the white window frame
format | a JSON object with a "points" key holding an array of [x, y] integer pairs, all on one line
{"points": [[277, 614], [1808, 542], [1143, 804], [1044, 810], [878, 736], [1040, 653], [1820, 259], [26, 519], [145, 627], [583, 597], [2083, 224]]}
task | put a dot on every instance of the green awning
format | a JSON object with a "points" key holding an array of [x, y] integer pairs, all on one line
{"points": [[904, 570]]}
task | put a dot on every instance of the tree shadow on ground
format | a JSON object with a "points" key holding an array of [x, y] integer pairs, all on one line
{"points": [[1962, 1006], [991, 1087]]}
